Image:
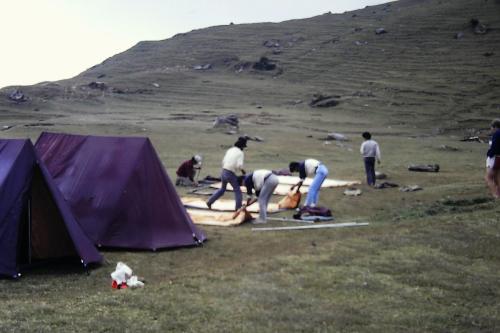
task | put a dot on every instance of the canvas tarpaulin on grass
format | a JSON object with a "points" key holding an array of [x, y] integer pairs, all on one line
{"points": [[226, 205]]}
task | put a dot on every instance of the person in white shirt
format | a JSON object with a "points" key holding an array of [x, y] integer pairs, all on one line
{"points": [[231, 165], [314, 169], [370, 152], [263, 182]]}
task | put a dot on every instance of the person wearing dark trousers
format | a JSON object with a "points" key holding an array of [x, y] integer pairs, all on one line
{"points": [[370, 151], [231, 165], [492, 176], [263, 182]]}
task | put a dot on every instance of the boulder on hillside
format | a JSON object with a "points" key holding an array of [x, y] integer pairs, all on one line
{"points": [[337, 137], [321, 101], [98, 85], [264, 64], [204, 67], [230, 120], [478, 27], [18, 96], [380, 31]]}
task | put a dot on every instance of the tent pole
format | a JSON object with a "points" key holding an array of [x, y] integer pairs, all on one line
{"points": [[29, 230]]}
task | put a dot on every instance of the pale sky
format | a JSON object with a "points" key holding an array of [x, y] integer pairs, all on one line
{"points": [[49, 40]]}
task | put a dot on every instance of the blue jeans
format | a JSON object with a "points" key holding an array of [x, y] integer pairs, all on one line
{"points": [[313, 193], [370, 170], [228, 177]]}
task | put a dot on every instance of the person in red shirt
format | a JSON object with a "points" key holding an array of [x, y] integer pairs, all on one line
{"points": [[187, 170]]}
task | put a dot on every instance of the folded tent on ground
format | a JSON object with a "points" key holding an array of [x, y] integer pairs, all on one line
{"points": [[36, 224]]}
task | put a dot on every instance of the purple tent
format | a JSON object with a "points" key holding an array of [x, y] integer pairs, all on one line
{"points": [[35, 222], [118, 191]]}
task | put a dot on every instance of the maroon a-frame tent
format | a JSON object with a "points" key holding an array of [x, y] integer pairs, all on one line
{"points": [[118, 191]]}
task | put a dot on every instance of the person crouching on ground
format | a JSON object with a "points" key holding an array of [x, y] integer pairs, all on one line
{"points": [[264, 182], [187, 170], [314, 169], [231, 165], [493, 160], [371, 152]]}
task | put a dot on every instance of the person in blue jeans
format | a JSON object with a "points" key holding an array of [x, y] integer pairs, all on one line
{"points": [[314, 169], [231, 165]]}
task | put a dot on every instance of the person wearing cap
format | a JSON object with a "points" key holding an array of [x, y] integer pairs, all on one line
{"points": [[314, 169], [263, 182], [187, 170], [492, 176], [370, 151], [232, 164]]}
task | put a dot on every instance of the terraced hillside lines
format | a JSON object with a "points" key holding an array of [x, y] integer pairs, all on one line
{"points": [[417, 62]]}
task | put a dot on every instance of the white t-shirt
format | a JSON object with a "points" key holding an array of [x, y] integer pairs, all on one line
{"points": [[233, 160], [310, 166]]}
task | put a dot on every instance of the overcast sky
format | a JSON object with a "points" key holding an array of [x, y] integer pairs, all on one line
{"points": [[48, 40]]}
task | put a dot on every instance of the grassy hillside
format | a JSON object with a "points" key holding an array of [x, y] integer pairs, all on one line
{"points": [[429, 260]]}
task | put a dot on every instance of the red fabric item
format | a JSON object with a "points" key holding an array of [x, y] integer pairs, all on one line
{"points": [[186, 169]]}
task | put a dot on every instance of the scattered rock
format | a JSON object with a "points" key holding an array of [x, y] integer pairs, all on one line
{"points": [[264, 64], [358, 43], [231, 132], [277, 52], [479, 28], [272, 43], [253, 138], [424, 167], [202, 67], [258, 106], [380, 175], [100, 76], [459, 35], [472, 139], [321, 101], [7, 127], [410, 188], [448, 148], [380, 31], [352, 192], [337, 136], [18, 96], [156, 85], [363, 94], [488, 54], [98, 85], [385, 185], [229, 120]]}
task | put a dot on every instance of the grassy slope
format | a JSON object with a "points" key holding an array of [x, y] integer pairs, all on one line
{"points": [[429, 260]]}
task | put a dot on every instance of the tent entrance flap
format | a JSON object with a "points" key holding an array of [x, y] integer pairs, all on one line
{"points": [[49, 236]]}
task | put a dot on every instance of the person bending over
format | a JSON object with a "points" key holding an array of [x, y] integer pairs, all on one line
{"points": [[263, 182], [314, 169]]}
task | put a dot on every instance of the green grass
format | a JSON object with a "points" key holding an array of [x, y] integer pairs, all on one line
{"points": [[429, 260]]}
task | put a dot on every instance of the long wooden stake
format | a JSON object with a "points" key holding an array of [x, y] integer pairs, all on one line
{"points": [[317, 226]]}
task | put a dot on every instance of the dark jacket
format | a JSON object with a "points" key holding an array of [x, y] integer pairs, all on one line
{"points": [[186, 169], [495, 145]]}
